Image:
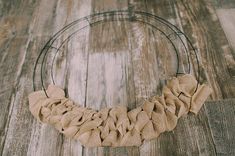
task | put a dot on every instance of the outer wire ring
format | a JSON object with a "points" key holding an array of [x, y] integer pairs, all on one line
{"points": [[159, 19], [53, 41]]}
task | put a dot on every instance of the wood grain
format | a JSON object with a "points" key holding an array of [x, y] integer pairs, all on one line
{"points": [[222, 125], [116, 63], [224, 4], [227, 21]]}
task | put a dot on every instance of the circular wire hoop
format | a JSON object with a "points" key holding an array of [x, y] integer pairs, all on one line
{"points": [[164, 27]]}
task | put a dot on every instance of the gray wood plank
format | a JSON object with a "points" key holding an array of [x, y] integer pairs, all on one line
{"points": [[221, 121], [226, 4], [227, 20], [13, 46]]}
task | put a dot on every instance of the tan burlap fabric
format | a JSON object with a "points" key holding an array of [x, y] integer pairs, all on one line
{"points": [[117, 126]]}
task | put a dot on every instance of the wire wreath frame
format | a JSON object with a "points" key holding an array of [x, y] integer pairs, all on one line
{"points": [[110, 16]]}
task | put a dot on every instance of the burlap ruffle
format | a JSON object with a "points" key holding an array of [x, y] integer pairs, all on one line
{"points": [[117, 126]]}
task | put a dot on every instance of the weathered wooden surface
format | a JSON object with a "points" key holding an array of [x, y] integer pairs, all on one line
{"points": [[122, 64], [221, 122]]}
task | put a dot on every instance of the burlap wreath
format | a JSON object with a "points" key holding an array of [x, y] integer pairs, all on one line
{"points": [[117, 126]]}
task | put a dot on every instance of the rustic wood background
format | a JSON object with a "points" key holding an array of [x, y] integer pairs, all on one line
{"points": [[113, 69]]}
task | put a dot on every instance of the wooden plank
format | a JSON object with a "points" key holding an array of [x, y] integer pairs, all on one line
{"points": [[13, 46], [224, 4], [227, 20], [221, 122], [13, 7], [19, 119]]}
